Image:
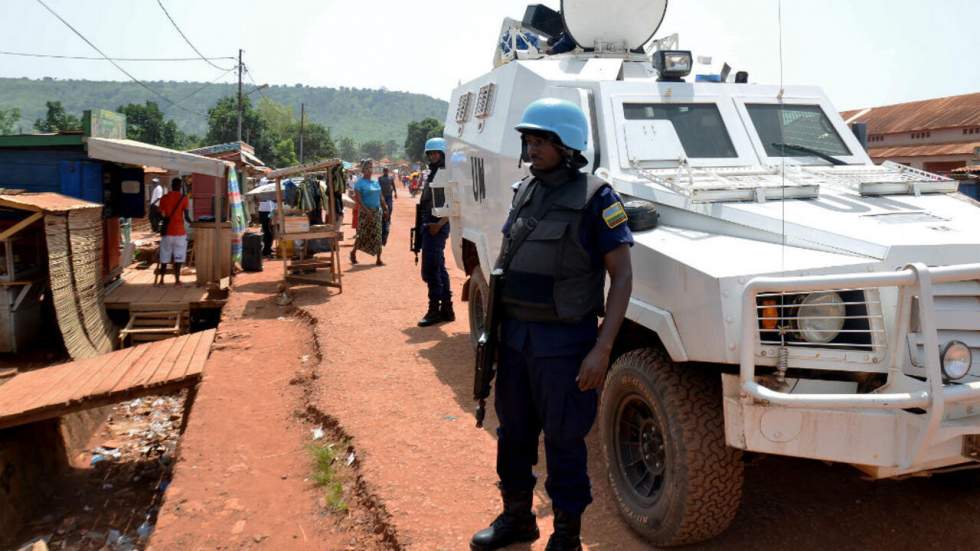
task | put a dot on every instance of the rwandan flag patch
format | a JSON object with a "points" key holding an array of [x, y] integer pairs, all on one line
{"points": [[614, 215]]}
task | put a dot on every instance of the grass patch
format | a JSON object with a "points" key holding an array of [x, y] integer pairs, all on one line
{"points": [[325, 475]]}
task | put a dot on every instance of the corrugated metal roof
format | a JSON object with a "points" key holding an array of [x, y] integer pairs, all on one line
{"points": [[45, 202], [933, 114], [966, 148]]}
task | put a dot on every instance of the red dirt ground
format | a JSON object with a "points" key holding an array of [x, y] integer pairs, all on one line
{"points": [[404, 395], [242, 478], [424, 475]]}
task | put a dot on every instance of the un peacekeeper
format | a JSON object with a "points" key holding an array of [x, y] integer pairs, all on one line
{"points": [[553, 355], [435, 232]]}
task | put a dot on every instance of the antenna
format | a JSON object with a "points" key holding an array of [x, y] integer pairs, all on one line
{"points": [[782, 156], [613, 24]]}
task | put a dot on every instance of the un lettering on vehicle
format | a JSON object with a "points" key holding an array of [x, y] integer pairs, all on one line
{"points": [[478, 177]]}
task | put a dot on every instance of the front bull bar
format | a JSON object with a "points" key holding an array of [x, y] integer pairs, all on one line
{"points": [[915, 280]]}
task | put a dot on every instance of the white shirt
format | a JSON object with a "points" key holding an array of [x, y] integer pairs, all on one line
{"points": [[156, 195], [267, 206]]}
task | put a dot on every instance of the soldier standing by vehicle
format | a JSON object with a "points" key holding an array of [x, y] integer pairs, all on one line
{"points": [[566, 230], [434, 232]]}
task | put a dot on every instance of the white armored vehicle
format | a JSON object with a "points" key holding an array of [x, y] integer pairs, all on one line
{"points": [[795, 299]]}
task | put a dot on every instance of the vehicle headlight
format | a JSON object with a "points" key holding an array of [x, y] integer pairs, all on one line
{"points": [[957, 360], [821, 317]]}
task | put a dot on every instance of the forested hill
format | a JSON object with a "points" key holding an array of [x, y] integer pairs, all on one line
{"points": [[362, 115]]}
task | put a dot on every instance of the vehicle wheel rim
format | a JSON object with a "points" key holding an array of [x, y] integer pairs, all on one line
{"points": [[641, 449], [479, 311]]}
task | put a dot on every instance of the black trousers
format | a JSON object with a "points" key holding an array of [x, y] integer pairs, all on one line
{"points": [[266, 219]]}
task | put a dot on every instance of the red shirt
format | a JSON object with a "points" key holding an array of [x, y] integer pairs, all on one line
{"points": [[173, 206]]}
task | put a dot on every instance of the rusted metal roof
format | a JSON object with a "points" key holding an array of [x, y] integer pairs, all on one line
{"points": [[934, 150], [44, 202], [154, 368], [932, 114]]}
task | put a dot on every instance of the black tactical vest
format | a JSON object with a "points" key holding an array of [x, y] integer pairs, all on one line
{"points": [[551, 277]]}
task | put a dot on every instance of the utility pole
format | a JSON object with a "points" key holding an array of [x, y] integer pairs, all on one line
{"points": [[239, 95], [302, 117]]}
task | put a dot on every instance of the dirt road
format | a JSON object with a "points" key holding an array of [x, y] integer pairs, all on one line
{"points": [[403, 394]]}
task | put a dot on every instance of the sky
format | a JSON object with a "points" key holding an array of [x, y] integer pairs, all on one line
{"points": [[862, 52]]}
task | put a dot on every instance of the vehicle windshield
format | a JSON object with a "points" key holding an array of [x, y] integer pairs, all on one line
{"points": [[699, 126], [803, 126]]}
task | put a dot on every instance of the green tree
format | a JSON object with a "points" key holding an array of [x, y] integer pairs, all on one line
{"points": [[278, 118], [223, 122], [147, 123], [418, 133], [8, 120], [348, 149], [372, 150], [317, 142], [283, 154], [57, 120], [223, 128], [391, 149]]}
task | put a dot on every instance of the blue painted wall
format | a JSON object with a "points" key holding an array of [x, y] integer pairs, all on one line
{"points": [[67, 171]]}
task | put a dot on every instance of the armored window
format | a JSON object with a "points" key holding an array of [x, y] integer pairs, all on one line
{"points": [[699, 126], [484, 102], [800, 125], [463, 108]]}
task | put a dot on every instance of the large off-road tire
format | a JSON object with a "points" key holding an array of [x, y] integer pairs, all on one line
{"points": [[662, 427], [477, 305]]}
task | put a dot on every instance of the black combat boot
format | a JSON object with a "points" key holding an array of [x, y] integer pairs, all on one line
{"points": [[515, 524], [566, 534], [446, 310], [432, 316]]}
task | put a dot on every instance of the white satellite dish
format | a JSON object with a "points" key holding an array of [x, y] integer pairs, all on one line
{"points": [[613, 22]]}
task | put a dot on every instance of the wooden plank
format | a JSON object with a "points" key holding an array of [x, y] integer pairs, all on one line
{"points": [[118, 373], [158, 351], [101, 373], [200, 356], [59, 410], [179, 363], [168, 361], [53, 391], [7, 233], [309, 235]]}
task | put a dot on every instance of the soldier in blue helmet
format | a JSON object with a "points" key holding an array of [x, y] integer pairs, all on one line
{"points": [[435, 232], [566, 230]]}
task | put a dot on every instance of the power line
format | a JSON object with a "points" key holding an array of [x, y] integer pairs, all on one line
{"points": [[116, 65], [209, 83], [90, 58], [256, 84], [187, 40]]}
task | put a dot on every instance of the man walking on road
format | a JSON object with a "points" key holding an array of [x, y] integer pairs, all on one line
{"points": [[565, 232], [173, 243], [266, 208], [435, 232], [388, 193], [155, 197]]}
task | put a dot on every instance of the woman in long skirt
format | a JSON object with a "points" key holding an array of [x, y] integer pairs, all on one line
{"points": [[371, 210]]}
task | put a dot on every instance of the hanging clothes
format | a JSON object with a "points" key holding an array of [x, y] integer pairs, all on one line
{"points": [[239, 221]]}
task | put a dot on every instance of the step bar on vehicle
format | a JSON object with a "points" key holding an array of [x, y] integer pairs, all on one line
{"points": [[915, 280]]}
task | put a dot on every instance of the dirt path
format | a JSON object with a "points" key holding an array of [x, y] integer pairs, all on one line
{"points": [[243, 478], [403, 394]]}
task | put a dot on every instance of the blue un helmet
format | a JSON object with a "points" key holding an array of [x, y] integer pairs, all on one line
{"points": [[436, 144], [556, 116]]}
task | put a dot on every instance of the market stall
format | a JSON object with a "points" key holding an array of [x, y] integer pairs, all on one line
{"points": [[300, 266]]}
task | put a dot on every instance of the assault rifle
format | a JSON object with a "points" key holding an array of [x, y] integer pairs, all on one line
{"points": [[415, 233], [487, 347]]}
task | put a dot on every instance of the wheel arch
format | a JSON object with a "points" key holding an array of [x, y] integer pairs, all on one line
{"points": [[648, 326]]}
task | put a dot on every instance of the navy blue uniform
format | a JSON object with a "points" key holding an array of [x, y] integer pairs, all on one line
{"points": [[434, 272], [536, 388]]}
